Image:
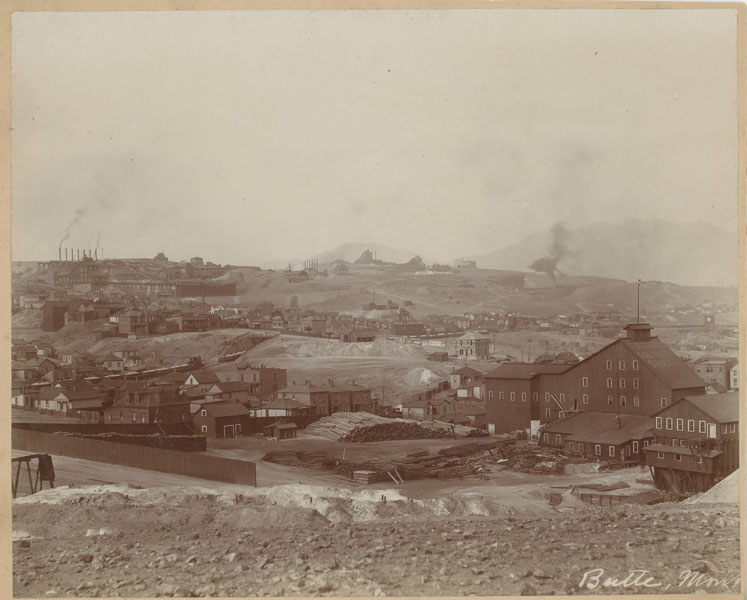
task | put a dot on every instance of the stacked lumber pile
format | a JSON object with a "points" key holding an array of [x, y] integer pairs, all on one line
{"points": [[453, 462], [296, 458], [393, 431], [365, 477], [350, 427], [341, 424]]}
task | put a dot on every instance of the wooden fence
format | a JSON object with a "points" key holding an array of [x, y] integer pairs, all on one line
{"points": [[189, 464]]}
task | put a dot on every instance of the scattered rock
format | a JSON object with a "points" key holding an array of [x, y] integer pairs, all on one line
{"points": [[528, 590]]}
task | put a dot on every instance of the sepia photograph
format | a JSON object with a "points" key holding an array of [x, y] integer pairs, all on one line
{"points": [[364, 301]]}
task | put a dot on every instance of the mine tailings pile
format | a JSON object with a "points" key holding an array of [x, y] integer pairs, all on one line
{"points": [[365, 427]]}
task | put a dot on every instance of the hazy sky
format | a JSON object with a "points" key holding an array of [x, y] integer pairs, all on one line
{"points": [[250, 136]]}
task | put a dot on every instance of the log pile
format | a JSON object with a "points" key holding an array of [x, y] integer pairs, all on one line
{"points": [[393, 431], [528, 458], [352, 427], [341, 424]]}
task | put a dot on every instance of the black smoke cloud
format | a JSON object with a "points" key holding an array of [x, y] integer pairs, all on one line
{"points": [[558, 249]]}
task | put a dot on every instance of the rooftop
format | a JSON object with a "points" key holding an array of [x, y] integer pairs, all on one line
{"points": [[514, 371], [284, 403], [606, 428], [724, 408], [665, 363], [225, 409]]}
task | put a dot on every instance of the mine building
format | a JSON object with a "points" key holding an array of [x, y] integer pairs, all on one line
{"points": [[601, 436], [696, 442], [634, 375]]}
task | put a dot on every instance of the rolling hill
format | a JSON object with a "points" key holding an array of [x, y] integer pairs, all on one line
{"points": [[698, 254]]}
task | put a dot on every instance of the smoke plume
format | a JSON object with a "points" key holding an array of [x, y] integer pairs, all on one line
{"points": [[558, 249], [77, 216]]}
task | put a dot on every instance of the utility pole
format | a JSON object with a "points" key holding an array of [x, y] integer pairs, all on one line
{"points": [[638, 304]]}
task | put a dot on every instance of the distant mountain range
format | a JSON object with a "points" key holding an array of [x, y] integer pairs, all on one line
{"points": [[697, 254], [684, 253]]}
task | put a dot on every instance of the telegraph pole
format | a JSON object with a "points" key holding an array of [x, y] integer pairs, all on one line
{"points": [[638, 304]]}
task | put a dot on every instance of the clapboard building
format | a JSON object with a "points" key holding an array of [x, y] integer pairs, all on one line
{"points": [[696, 442], [634, 375]]}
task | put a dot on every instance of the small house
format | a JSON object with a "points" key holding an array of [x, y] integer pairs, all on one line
{"points": [[280, 431], [220, 420]]}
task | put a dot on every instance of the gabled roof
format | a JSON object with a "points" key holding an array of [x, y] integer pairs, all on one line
{"points": [[203, 377], [556, 368], [74, 395], [474, 336], [49, 393], [281, 426], [724, 408], [514, 371], [286, 403], [225, 409], [603, 428], [468, 372], [665, 363]]}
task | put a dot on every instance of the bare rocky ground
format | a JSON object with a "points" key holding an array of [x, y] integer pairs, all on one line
{"points": [[297, 540]]}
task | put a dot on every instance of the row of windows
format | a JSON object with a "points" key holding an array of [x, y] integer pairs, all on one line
{"points": [[624, 400], [610, 383], [621, 365], [679, 425], [134, 417], [512, 395], [597, 447], [678, 457]]}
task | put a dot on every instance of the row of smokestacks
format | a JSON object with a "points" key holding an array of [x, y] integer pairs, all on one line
{"points": [[97, 254]]}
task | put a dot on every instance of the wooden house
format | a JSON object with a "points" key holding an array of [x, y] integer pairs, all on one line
{"points": [[696, 442]]}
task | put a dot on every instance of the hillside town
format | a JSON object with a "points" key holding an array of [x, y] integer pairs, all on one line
{"points": [[375, 303], [589, 409]]}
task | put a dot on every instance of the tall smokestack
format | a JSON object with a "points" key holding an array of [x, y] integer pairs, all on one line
{"points": [[65, 254], [95, 254], [60, 254], [78, 254]]}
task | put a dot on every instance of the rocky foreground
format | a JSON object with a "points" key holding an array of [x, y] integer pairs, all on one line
{"points": [[129, 542]]}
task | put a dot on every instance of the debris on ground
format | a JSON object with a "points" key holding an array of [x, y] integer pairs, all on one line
{"points": [[365, 427], [314, 541]]}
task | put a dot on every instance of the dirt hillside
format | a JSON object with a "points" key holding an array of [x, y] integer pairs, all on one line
{"points": [[311, 541]]}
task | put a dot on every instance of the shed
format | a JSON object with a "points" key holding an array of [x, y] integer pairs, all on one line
{"points": [[222, 419], [280, 431]]}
